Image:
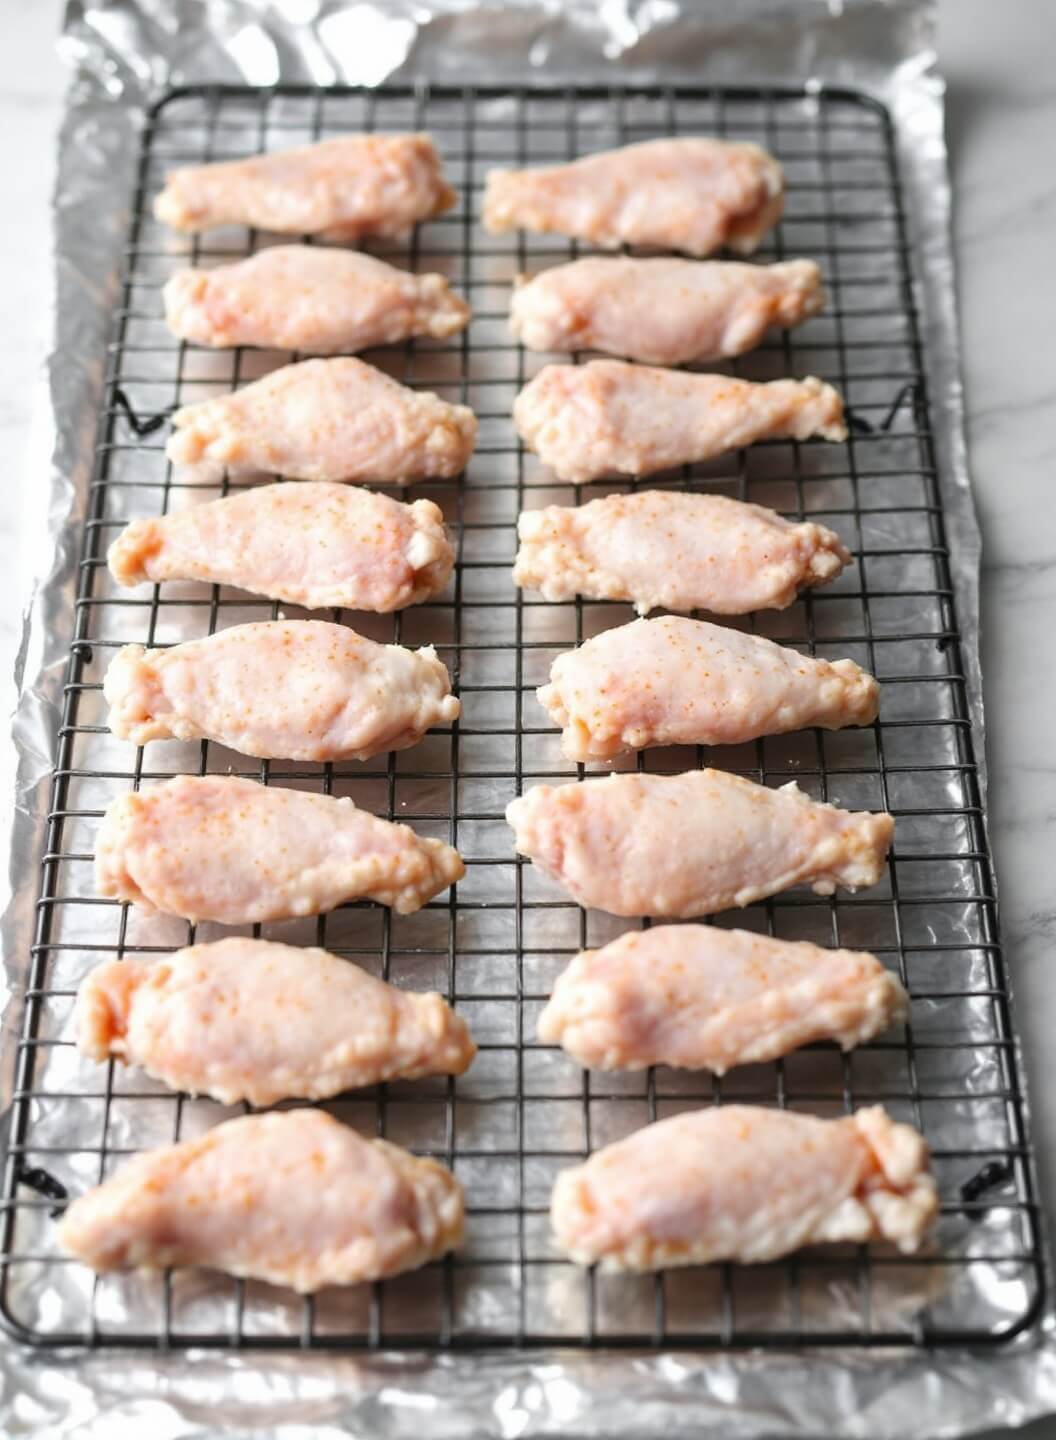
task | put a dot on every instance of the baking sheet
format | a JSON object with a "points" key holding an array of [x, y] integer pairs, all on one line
{"points": [[125, 53]]}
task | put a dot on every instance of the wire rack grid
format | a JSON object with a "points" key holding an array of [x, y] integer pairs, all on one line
{"points": [[494, 945]]}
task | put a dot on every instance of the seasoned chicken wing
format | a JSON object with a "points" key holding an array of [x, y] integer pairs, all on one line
{"points": [[747, 1184], [662, 311], [338, 420], [213, 847], [294, 1198], [310, 298], [679, 846], [675, 681], [701, 998], [663, 548], [690, 194], [281, 689], [252, 1020], [306, 542], [345, 188], [608, 417]]}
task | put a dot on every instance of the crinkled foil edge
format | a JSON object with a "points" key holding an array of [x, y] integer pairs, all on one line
{"points": [[123, 54]]}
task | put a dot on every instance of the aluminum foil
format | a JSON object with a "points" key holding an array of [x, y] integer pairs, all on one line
{"points": [[124, 54]]}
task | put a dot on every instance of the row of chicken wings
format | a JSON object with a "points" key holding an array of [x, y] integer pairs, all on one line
{"points": [[295, 1197]]}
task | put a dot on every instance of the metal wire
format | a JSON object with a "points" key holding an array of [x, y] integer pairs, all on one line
{"points": [[496, 942]]}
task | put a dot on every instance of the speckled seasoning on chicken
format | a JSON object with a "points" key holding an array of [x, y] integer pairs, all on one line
{"points": [[611, 418], [662, 311], [281, 689], [338, 420], [310, 298], [742, 1183], [308, 543], [253, 1020], [681, 846], [692, 194], [294, 1198], [344, 188], [698, 997], [675, 681], [214, 847], [674, 550]]}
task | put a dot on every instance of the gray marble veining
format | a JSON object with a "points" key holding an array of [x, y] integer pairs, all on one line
{"points": [[1001, 123]]}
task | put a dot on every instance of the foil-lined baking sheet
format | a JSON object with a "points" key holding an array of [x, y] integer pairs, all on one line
{"points": [[671, 1372]]}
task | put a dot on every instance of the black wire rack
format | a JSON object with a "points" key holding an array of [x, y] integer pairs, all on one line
{"points": [[494, 945]]}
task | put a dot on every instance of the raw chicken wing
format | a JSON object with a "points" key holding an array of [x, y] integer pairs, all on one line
{"points": [[326, 420], [309, 543], [675, 681], [702, 998], [213, 847], [746, 1184], [281, 689], [665, 312], [309, 298], [608, 417], [663, 548], [252, 1020], [690, 194], [345, 188], [294, 1198], [679, 846]]}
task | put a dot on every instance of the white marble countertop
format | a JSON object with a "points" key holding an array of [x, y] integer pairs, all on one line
{"points": [[32, 81], [1001, 125]]}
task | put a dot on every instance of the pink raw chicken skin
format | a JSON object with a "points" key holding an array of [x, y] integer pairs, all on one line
{"points": [[310, 298], [675, 681], [662, 311], [703, 998], [744, 1184], [345, 188], [681, 846], [611, 418], [692, 194], [294, 1198], [676, 551], [253, 1020], [281, 689], [309, 543], [336, 420], [214, 847]]}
